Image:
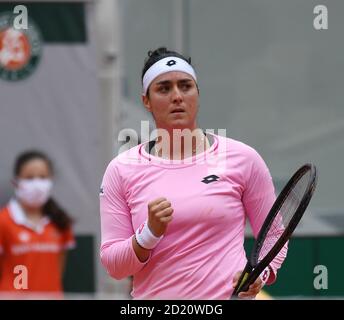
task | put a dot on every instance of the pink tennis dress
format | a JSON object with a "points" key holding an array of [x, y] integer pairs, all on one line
{"points": [[212, 194]]}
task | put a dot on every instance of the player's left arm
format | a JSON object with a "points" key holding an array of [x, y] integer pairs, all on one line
{"points": [[258, 197]]}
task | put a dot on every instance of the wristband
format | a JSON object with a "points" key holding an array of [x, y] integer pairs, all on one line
{"points": [[264, 276], [145, 238]]}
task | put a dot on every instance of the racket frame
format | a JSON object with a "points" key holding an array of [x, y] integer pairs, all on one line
{"points": [[254, 268]]}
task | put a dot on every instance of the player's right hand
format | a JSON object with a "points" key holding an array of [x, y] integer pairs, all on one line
{"points": [[159, 216], [253, 289]]}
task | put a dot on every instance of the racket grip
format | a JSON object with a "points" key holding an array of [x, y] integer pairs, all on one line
{"points": [[242, 280]]}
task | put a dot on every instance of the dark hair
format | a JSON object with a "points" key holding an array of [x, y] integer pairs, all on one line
{"points": [[158, 54], [51, 209]]}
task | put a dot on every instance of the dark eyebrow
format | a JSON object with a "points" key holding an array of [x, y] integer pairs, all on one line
{"points": [[168, 81], [185, 80]]}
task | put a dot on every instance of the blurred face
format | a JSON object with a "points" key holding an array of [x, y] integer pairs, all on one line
{"points": [[33, 184], [173, 101]]}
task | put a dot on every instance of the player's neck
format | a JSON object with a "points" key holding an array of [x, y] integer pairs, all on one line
{"points": [[180, 144]]}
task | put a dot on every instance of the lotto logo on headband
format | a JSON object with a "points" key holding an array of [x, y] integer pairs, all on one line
{"points": [[171, 63]]}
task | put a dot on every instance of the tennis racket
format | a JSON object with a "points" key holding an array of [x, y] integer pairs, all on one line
{"points": [[279, 224]]}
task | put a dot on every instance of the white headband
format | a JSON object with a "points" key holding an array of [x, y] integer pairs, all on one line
{"points": [[166, 65]]}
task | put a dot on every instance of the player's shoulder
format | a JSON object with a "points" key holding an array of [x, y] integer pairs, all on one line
{"points": [[127, 160], [123, 156], [234, 146]]}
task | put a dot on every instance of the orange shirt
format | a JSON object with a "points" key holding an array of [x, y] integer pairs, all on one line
{"points": [[37, 248]]}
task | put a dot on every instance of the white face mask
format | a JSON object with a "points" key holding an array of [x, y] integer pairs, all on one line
{"points": [[33, 192]]}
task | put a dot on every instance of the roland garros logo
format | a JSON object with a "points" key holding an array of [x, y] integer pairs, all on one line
{"points": [[20, 50]]}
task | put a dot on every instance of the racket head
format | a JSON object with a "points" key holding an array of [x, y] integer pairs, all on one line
{"points": [[256, 260], [307, 171]]}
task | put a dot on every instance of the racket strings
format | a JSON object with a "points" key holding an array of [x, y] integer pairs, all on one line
{"points": [[287, 211]]}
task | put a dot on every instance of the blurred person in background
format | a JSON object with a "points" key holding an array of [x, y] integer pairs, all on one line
{"points": [[35, 232]]}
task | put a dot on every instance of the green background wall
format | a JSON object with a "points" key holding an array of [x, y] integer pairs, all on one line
{"points": [[79, 275], [296, 276]]}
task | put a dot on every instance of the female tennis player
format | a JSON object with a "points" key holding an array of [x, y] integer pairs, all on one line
{"points": [[173, 210]]}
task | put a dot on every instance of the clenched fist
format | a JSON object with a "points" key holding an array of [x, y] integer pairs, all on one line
{"points": [[159, 216]]}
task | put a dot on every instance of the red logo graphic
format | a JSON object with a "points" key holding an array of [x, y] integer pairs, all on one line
{"points": [[141, 228], [15, 49]]}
